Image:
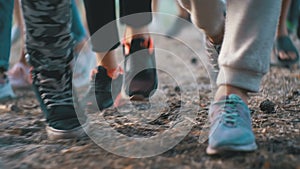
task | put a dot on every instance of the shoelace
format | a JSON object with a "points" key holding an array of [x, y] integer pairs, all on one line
{"points": [[55, 92], [229, 113]]}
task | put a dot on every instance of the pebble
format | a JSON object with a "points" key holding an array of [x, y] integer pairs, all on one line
{"points": [[194, 60], [267, 106]]}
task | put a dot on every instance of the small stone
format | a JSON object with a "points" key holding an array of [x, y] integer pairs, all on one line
{"points": [[194, 60], [13, 107], [296, 92], [177, 89], [267, 106]]}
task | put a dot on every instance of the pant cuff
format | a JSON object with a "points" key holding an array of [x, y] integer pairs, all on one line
{"points": [[244, 79]]}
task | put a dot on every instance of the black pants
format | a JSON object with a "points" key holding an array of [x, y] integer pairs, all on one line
{"points": [[101, 13]]}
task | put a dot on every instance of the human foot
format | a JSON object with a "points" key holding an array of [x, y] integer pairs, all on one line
{"points": [[285, 51]]}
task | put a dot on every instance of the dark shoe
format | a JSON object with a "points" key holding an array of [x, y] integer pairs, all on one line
{"points": [[53, 88], [285, 44], [140, 69], [103, 88]]}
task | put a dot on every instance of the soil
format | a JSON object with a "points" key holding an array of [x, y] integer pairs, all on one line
{"points": [[24, 144]]}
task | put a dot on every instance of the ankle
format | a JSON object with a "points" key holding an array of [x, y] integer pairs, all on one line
{"points": [[114, 73], [107, 60], [216, 39], [225, 90], [131, 33], [282, 32]]}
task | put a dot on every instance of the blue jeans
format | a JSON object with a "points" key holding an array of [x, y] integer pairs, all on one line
{"points": [[6, 9], [77, 27]]}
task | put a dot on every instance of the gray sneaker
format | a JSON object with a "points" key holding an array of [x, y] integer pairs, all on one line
{"points": [[230, 128]]}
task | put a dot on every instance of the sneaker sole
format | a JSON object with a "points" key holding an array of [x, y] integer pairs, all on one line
{"points": [[138, 98], [123, 99], [55, 134], [234, 148]]}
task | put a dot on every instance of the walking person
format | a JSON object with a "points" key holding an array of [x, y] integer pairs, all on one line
{"points": [[246, 35], [137, 45], [19, 74], [49, 46]]}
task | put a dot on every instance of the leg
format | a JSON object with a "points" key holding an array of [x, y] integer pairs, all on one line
{"points": [[105, 39], [140, 66], [49, 51], [5, 32], [284, 48], [201, 10], [20, 25], [135, 7], [18, 28], [19, 74], [136, 24], [155, 5], [178, 24], [240, 66], [77, 28], [6, 9], [182, 12], [208, 15], [103, 43], [244, 59]]}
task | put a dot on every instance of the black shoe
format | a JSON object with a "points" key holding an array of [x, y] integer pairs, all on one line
{"points": [[103, 88], [53, 88], [140, 69]]}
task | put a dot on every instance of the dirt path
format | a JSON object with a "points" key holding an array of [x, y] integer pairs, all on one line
{"points": [[23, 142]]}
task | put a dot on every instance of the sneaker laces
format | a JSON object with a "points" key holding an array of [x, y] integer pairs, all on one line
{"points": [[54, 91], [229, 112], [54, 82]]}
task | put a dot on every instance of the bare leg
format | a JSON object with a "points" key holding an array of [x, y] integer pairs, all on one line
{"points": [[107, 60], [201, 10], [20, 22], [131, 32], [155, 4], [282, 29]]}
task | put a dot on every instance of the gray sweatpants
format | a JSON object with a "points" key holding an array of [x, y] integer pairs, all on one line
{"points": [[250, 27]]}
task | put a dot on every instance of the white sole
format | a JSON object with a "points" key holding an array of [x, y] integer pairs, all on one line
{"points": [[78, 132], [228, 148]]}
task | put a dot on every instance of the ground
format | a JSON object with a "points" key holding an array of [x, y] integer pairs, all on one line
{"points": [[183, 83]]}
